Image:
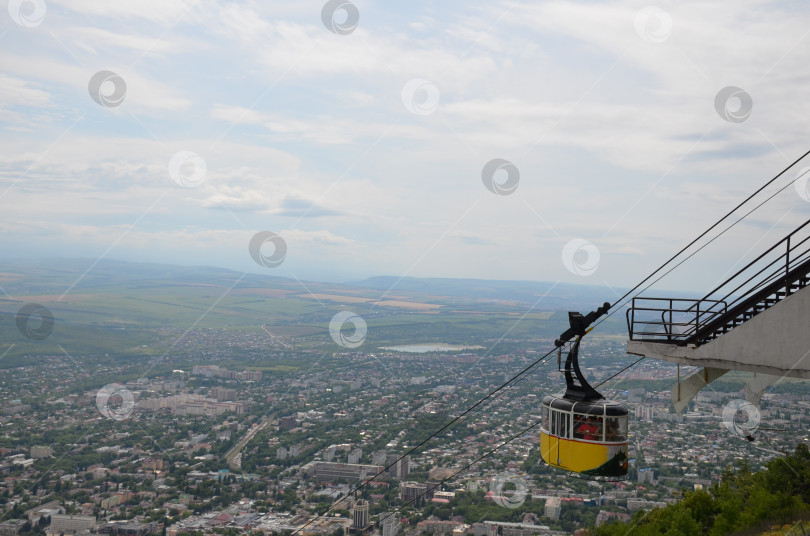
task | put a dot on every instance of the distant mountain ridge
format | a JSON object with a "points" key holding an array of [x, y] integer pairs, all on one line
{"points": [[53, 274], [553, 295]]}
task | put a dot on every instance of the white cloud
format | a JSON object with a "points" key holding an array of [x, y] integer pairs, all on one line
{"points": [[158, 11], [18, 92], [617, 139], [322, 237], [142, 93], [99, 41], [321, 130], [238, 199]]}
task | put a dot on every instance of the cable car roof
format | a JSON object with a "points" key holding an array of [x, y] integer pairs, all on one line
{"points": [[594, 407]]}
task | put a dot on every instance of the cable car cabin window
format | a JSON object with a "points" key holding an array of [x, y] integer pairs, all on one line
{"points": [[560, 424], [565, 425], [579, 426], [587, 427], [616, 429], [545, 419]]}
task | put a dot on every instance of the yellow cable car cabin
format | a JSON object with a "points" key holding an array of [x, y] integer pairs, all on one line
{"points": [[584, 437], [580, 430]]}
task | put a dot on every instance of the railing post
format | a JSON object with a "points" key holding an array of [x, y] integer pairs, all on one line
{"points": [[787, 268], [632, 318], [669, 330]]}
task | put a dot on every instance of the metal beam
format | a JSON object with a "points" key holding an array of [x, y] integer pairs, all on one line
{"points": [[686, 389]]}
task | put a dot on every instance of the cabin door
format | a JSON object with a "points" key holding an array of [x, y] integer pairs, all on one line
{"points": [[561, 427]]}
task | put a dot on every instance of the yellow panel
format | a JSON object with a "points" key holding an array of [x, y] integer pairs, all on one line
{"points": [[548, 449], [576, 456]]}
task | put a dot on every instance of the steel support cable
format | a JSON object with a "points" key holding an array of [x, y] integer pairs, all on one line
{"points": [[493, 450], [539, 360], [703, 234], [698, 250], [475, 461], [718, 222], [517, 378], [488, 397], [631, 365]]}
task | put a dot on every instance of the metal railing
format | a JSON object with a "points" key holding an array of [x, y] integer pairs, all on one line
{"points": [[772, 276], [670, 320]]}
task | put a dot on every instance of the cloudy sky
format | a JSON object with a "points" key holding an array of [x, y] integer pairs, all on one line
{"points": [[556, 141]]}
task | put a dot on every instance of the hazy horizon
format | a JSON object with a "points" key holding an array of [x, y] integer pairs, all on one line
{"points": [[53, 262]]}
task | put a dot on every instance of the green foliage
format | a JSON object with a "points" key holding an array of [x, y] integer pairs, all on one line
{"points": [[741, 500], [475, 507]]}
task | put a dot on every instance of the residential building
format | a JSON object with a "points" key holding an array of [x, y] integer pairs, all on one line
{"points": [[221, 394], [360, 514], [519, 529], [483, 529], [646, 475], [327, 471], [412, 492], [553, 508], [12, 527], [41, 452], [68, 523], [399, 468], [390, 525]]}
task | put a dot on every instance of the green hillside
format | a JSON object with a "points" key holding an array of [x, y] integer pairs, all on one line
{"points": [[742, 503]]}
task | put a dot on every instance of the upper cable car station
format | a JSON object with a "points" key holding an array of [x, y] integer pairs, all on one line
{"points": [[755, 321]]}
